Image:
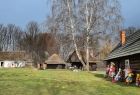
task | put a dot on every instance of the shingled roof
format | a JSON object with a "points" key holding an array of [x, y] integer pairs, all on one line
{"points": [[74, 58], [131, 47]]}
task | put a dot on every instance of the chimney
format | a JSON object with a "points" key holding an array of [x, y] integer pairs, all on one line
{"points": [[123, 37]]}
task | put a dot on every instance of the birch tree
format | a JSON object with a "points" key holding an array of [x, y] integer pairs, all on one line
{"points": [[91, 17], [99, 16]]}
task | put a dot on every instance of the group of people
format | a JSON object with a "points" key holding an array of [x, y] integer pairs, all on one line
{"points": [[121, 75]]}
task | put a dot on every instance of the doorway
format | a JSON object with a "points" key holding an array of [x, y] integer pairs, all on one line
{"points": [[1, 64]]}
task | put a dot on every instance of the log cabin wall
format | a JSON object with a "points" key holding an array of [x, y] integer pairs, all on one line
{"points": [[135, 63], [128, 54], [119, 63]]}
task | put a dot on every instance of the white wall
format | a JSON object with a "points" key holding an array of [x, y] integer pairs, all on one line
{"points": [[9, 64]]}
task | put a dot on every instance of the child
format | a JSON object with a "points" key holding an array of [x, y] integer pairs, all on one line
{"points": [[112, 72], [129, 77], [138, 80]]}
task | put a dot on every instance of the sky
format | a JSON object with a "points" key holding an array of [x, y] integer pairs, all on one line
{"points": [[131, 12], [20, 12]]}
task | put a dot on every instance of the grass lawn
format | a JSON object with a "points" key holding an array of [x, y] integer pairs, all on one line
{"points": [[59, 82]]}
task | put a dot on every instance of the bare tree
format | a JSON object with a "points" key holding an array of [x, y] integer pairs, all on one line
{"points": [[36, 43], [130, 30], [90, 17], [30, 40], [1, 37], [9, 37]]}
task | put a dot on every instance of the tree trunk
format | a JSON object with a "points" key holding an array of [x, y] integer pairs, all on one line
{"points": [[73, 37], [87, 54], [77, 52]]}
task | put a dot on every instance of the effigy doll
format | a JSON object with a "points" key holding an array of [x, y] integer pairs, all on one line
{"points": [[138, 80], [107, 71], [112, 71], [119, 75], [129, 77]]}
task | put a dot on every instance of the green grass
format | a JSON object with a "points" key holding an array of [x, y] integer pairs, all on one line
{"points": [[59, 82]]}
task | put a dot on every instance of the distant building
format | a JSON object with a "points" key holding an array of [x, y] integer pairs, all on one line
{"points": [[74, 60], [12, 59], [127, 53], [53, 62]]}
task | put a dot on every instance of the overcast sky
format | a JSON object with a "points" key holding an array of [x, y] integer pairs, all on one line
{"points": [[20, 12]]}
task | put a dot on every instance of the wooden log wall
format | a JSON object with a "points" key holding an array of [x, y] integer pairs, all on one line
{"points": [[135, 63]]}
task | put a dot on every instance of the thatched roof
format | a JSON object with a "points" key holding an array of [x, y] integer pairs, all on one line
{"points": [[19, 55], [74, 58], [55, 59]]}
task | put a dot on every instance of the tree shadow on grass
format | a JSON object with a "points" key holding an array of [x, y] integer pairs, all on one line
{"points": [[99, 75]]}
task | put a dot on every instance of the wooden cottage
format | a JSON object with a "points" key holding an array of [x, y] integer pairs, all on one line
{"points": [[127, 53], [55, 62], [74, 60], [12, 59]]}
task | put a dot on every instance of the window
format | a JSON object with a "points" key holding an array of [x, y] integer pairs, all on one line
{"points": [[127, 64]]}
